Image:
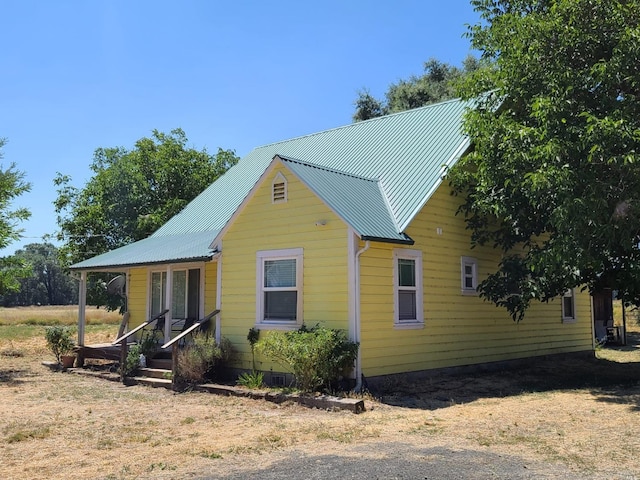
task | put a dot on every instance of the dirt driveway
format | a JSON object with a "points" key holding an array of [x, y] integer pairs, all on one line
{"points": [[570, 419]]}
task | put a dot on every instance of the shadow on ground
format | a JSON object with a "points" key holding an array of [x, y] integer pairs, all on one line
{"points": [[12, 377], [612, 381]]}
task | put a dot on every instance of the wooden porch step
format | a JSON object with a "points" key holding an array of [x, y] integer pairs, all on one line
{"points": [[160, 363], [152, 382], [155, 372]]}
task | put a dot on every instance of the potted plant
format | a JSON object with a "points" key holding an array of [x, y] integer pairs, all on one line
{"points": [[61, 345]]}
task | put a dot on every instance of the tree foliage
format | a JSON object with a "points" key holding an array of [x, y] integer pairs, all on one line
{"points": [[12, 185], [47, 283], [130, 195], [438, 83], [553, 179], [133, 192]]}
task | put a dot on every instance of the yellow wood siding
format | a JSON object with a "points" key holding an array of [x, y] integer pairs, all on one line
{"points": [[210, 285], [139, 293], [263, 225], [137, 299], [458, 329]]}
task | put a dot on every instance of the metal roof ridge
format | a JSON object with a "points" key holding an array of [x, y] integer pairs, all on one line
{"points": [[326, 169], [370, 120]]}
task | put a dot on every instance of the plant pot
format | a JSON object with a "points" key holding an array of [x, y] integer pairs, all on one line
{"points": [[67, 360]]}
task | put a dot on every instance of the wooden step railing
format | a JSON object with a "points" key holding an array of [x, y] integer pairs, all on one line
{"points": [[174, 342], [190, 329], [139, 327]]}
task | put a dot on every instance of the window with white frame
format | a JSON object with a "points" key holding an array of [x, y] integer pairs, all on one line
{"points": [[468, 275], [568, 306], [185, 293], [279, 287], [279, 189], [408, 298], [158, 291]]}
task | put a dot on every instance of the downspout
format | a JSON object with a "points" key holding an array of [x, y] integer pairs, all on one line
{"points": [[356, 310]]}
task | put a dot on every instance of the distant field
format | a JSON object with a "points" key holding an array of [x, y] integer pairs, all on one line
{"points": [[56, 315]]}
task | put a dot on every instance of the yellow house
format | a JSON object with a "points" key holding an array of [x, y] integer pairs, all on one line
{"points": [[354, 228]]}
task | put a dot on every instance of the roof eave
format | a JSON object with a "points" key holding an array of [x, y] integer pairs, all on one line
{"points": [[124, 266]]}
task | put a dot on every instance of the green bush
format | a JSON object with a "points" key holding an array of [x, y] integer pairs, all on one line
{"points": [[59, 341], [252, 379], [198, 360], [317, 357], [132, 362], [147, 346]]}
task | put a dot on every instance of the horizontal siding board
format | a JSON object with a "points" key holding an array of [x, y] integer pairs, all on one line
{"points": [[283, 226], [459, 329], [137, 296]]}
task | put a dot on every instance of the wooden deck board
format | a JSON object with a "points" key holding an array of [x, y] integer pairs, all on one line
{"points": [[103, 351]]}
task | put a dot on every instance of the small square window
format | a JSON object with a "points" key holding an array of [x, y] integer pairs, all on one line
{"points": [[469, 275], [568, 307]]}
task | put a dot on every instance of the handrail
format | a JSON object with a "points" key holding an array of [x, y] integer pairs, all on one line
{"points": [[190, 329], [139, 327]]}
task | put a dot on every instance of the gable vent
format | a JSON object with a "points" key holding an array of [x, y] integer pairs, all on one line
{"points": [[279, 189]]}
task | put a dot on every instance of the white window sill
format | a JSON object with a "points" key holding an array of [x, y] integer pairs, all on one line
{"points": [[469, 292], [289, 327], [569, 320], [408, 326]]}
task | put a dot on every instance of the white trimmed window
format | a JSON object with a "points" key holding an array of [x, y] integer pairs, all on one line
{"points": [[407, 288], [279, 287], [468, 275], [568, 307], [279, 189], [185, 293]]}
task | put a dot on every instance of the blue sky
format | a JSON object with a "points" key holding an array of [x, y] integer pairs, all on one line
{"points": [[78, 75]]}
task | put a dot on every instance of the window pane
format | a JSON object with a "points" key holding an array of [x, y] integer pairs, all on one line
{"points": [[280, 305], [158, 286], [193, 298], [468, 282], [280, 273], [407, 305], [179, 300], [468, 269], [568, 307], [406, 272]]}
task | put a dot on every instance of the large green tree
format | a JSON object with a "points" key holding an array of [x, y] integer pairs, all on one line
{"points": [[438, 83], [133, 192], [554, 178], [47, 284], [12, 185]]}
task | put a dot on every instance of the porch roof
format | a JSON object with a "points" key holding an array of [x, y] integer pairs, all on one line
{"points": [[179, 248]]}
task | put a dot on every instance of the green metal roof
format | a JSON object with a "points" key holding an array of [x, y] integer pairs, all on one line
{"points": [[402, 154], [359, 201], [187, 247]]}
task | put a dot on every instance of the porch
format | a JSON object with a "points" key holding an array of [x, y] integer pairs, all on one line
{"points": [[162, 364]]}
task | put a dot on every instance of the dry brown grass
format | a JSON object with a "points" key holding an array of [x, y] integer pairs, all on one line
{"points": [[56, 315], [578, 413]]}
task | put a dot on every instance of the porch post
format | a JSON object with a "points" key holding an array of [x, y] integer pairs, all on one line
{"points": [[82, 303], [218, 298], [168, 295]]}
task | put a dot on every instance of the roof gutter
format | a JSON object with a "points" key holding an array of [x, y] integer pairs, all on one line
{"points": [[407, 241]]}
